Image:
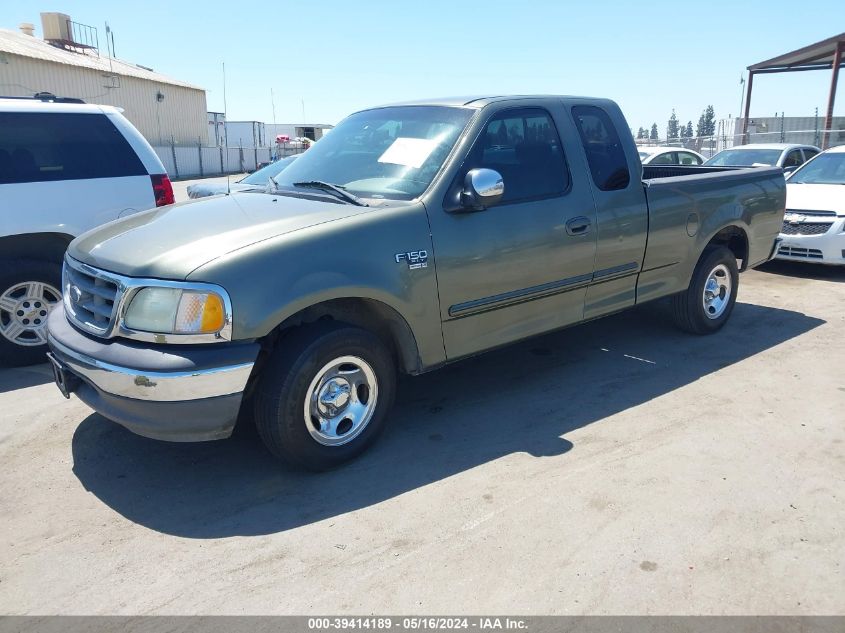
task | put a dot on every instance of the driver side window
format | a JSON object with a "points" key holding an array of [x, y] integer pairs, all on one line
{"points": [[524, 147]]}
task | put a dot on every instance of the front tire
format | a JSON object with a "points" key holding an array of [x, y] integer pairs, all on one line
{"points": [[706, 305], [324, 395], [29, 291]]}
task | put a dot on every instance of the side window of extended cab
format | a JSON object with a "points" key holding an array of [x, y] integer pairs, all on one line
{"points": [[524, 147], [603, 147]]}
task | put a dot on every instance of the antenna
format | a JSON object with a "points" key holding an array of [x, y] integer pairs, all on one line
{"points": [[225, 131], [109, 45]]}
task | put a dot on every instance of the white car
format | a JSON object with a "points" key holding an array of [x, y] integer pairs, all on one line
{"points": [[787, 156], [668, 156], [65, 167], [258, 178], [814, 224]]}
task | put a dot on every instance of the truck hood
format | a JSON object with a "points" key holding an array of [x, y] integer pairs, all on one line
{"points": [[171, 242], [806, 197]]}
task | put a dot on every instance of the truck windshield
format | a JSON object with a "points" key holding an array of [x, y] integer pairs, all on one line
{"points": [[827, 169], [390, 153], [745, 157]]}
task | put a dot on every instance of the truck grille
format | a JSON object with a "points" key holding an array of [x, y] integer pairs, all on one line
{"points": [[810, 228], [794, 251], [90, 297]]}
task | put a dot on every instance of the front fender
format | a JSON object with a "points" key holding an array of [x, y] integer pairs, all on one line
{"points": [[355, 257]]}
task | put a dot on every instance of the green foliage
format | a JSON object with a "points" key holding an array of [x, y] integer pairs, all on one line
{"points": [[672, 128], [653, 136], [706, 122]]}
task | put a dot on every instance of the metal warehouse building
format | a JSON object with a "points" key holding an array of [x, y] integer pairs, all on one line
{"points": [[69, 63]]}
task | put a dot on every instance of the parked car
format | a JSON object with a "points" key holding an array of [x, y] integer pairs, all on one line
{"points": [[668, 156], [65, 167], [258, 178], [787, 156], [814, 224], [412, 236]]}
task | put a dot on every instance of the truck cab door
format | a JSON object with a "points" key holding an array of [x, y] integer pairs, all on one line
{"points": [[621, 209], [520, 267]]}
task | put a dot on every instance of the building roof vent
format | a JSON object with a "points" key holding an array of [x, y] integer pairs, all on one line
{"points": [[27, 28]]}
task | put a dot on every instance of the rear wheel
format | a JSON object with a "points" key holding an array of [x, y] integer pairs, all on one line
{"points": [[708, 302], [29, 291], [325, 395]]}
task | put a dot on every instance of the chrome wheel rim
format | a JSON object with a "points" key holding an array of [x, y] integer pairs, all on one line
{"points": [[717, 292], [341, 400], [24, 309]]}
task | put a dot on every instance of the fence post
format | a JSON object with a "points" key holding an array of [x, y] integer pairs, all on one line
{"points": [[241, 159], [173, 153], [220, 147], [199, 153]]}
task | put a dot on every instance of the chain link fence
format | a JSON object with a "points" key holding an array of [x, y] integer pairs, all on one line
{"points": [[710, 145]]}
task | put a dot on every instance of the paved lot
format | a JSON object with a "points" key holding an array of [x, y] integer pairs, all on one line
{"points": [[617, 467]]}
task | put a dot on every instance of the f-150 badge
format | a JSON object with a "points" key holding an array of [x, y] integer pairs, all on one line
{"points": [[415, 259]]}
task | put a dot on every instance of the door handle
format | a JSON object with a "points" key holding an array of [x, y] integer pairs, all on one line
{"points": [[578, 226]]}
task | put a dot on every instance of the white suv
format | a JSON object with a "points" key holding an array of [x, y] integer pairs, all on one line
{"points": [[65, 167]]}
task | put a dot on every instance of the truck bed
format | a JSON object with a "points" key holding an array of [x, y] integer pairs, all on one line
{"points": [[688, 204]]}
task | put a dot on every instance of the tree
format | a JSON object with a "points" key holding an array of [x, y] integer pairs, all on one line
{"points": [[672, 129], [687, 133], [653, 135], [706, 122], [641, 133]]}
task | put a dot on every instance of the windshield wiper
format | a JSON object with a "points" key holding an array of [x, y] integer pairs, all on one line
{"points": [[336, 189]]}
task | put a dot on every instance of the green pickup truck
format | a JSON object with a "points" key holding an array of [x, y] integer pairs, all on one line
{"points": [[412, 236]]}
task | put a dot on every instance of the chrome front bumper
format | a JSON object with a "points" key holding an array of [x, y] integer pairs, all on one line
{"points": [[159, 386], [176, 393]]}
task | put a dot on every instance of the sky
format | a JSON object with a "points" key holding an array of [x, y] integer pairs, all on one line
{"points": [[325, 59]]}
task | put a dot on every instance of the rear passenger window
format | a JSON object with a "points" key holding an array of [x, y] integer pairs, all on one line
{"points": [[524, 147], [809, 153], [793, 159], [685, 158], [46, 147], [603, 147], [669, 158]]}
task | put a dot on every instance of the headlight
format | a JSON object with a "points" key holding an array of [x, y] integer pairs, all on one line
{"points": [[176, 311]]}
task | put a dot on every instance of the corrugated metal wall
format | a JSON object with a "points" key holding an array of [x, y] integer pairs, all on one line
{"points": [[189, 162], [180, 116]]}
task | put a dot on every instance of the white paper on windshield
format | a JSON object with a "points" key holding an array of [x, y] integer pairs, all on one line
{"points": [[410, 152]]}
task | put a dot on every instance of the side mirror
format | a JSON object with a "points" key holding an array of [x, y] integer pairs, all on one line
{"points": [[483, 188], [789, 170]]}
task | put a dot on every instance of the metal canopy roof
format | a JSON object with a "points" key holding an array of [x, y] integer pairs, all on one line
{"points": [[813, 57], [828, 54]]}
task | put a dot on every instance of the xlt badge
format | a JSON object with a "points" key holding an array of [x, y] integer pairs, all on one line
{"points": [[415, 259]]}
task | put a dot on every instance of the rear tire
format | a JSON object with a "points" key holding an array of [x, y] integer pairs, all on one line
{"points": [[324, 395], [706, 305], [29, 290]]}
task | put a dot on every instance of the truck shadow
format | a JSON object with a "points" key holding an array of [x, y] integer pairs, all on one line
{"points": [[524, 398], [802, 270]]}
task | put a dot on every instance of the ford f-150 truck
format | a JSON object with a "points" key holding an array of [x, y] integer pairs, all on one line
{"points": [[412, 236]]}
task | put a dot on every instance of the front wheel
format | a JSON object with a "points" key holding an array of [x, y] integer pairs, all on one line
{"points": [[706, 305], [325, 395]]}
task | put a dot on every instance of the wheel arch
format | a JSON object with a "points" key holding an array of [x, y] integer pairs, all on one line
{"points": [[735, 239], [369, 314], [39, 246]]}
